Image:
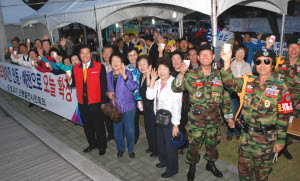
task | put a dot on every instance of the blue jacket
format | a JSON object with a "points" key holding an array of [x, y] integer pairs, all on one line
{"points": [[252, 48], [124, 91]]}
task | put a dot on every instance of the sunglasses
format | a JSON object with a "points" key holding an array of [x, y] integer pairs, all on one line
{"points": [[266, 61]]}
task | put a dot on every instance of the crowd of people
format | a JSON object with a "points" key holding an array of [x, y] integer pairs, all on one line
{"points": [[151, 74]]}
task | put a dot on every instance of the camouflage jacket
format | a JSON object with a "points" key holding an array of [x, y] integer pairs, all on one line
{"points": [[206, 92], [269, 104], [291, 76]]}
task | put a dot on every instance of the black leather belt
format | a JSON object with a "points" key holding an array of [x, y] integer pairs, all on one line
{"points": [[262, 129]]}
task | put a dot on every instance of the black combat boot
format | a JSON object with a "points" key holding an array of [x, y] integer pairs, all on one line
{"points": [[210, 166], [191, 174]]}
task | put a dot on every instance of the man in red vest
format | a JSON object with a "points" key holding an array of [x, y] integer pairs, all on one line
{"points": [[89, 78]]}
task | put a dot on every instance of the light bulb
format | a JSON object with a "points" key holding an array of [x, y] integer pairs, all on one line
{"points": [[117, 25], [174, 14], [153, 21]]}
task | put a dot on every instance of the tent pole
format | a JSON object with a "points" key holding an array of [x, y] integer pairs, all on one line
{"points": [[51, 38], [84, 32], [100, 39], [23, 33], [281, 34], [181, 28], [214, 22]]}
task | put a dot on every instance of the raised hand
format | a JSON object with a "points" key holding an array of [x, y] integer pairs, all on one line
{"points": [[259, 36], [269, 43], [183, 68], [154, 75], [173, 48]]}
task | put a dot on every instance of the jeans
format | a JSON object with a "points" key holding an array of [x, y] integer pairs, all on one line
{"points": [[235, 106], [127, 125]]}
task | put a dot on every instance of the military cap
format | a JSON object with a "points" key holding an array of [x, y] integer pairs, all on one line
{"points": [[293, 41], [265, 53], [206, 47]]}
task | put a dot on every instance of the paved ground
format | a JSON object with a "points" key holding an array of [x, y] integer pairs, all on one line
{"points": [[25, 157], [140, 168]]}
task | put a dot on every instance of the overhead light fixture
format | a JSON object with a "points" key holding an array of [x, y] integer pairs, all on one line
{"points": [[117, 25], [153, 21], [30, 25], [174, 15]]}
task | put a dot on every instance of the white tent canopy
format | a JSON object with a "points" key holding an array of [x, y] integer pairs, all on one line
{"points": [[133, 12], [14, 10], [277, 6]]}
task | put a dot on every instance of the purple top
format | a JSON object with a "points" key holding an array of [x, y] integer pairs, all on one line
{"points": [[124, 91]]}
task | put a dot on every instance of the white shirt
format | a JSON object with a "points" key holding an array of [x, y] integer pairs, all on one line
{"points": [[22, 60], [165, 98], [239, 69]]}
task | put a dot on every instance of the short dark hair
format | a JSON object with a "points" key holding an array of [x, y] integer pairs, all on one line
{"points": [[46, 40], [33, 50], [15, 39], [238, 47], [166, 62], [131, 34], [54, 50], [70, 57], [107, 46], [84, 46], [182, 39], [120, 39], [144, 57], [130, 49], [22, 44], [176, 52], [149, 37], [192, 49], [115, 54], [37, 40]]}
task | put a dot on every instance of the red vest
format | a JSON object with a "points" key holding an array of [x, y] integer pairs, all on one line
{"points": [[92, 82]]}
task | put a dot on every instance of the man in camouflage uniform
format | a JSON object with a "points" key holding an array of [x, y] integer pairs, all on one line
{"points": [[289, 72], [207, 97], [266, 107]]}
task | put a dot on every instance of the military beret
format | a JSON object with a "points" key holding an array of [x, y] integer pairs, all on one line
{"points": [[206, 47], [265, 53], [293, 41]]}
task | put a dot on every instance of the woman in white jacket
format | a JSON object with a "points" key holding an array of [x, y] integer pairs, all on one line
{"points": [[164, 98]]}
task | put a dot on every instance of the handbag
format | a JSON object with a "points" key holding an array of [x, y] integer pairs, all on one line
{"points": [[112, 111], [163, 118]]}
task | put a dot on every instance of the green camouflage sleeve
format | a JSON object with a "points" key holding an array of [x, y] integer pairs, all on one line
{"points": [[179, 86], [227, 108], [231, 83], [283, 114]]}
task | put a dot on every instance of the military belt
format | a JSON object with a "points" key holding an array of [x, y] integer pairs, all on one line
{"points": [[263, 129], [197, 110]]}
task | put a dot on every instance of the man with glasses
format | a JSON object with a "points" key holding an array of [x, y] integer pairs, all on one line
{"points": [[266, 108], [207, 97]]}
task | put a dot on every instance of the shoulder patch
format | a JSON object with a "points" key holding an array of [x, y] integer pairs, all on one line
{"points": [[278, 81]]}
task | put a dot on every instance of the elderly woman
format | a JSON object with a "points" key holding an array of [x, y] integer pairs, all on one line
{"points": [[144, 66], [239, 67], [120, 86], [164, 98]]}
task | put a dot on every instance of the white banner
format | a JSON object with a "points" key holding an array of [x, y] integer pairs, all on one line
{"points": [[43, 89]]}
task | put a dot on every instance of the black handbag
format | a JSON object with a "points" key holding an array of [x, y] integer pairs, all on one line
{"points": [[163, 118]]}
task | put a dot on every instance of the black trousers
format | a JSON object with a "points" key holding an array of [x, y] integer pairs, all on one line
{"points": [[109, 126], [150, 129], [137, 125], [167, 154], [93, 124]]}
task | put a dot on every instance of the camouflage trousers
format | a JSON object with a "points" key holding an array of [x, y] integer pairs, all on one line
{"points": [[196, 137], [255, 156]]}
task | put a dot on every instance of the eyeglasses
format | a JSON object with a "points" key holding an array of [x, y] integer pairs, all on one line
{"points": [[266, 61]]}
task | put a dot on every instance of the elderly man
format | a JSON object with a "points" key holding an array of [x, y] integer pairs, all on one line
{"points": [[266, 108], [207, 97]]}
